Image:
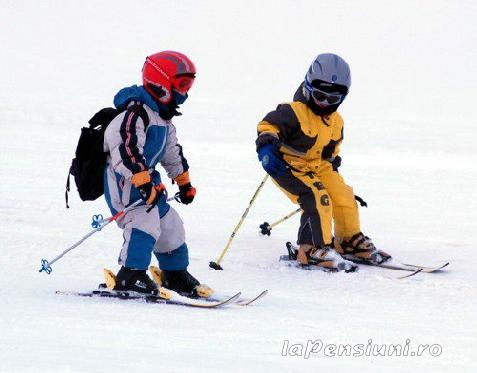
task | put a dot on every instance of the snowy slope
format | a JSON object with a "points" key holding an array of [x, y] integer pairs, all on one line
{"points": [[409, 151]]}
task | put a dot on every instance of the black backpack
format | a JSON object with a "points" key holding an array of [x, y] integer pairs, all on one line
{"points": [[88, 165]]}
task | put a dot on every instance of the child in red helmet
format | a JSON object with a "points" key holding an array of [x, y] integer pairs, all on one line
{"points": [[137, 140]]}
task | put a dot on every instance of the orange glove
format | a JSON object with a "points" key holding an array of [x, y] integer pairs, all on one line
{"points": [[149, 192]]}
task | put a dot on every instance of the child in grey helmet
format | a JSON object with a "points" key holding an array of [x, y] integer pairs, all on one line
{"points": [[298, 144]]}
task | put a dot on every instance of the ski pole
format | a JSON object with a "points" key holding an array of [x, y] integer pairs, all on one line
{"points": [[216, 265], [174, 198], [266, 228], [98, 224]]}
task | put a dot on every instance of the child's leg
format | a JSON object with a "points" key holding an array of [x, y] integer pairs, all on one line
{"points": [[141, 232], [171, 250], [309, 192], [345, 209]]}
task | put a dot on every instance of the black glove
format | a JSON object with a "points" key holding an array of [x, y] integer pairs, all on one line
{"points": [[186, 193], [336, 163]]}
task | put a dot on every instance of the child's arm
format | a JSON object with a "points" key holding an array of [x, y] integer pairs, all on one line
{"points": [[332, 149], [173, 160], [125, 138], [177, 167]]}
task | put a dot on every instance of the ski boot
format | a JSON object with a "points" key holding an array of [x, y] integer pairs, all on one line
{"points": [[129, 279], [181, 282], [360, 248], [325, 257]]}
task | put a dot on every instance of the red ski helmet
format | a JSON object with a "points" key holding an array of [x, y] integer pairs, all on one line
{"points": [[166, 70]]}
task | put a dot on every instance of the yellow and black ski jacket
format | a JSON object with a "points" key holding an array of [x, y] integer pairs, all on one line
{"points": [[304, 137]]}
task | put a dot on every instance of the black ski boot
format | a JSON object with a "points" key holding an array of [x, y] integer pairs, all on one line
{"points": [[181, 282], [136, 280]]}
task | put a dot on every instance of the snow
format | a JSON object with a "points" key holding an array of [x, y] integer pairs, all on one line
{"points": [[409, 151]]}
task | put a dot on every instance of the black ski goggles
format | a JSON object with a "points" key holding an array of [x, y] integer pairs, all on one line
{"points": [[328, 97], [323, 91]]}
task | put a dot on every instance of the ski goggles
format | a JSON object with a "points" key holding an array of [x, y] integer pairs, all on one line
{"points": [[331, 98], [322, 91], [182, 84]]}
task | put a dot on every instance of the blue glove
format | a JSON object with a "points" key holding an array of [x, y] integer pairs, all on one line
{"points": [[273, 164]]}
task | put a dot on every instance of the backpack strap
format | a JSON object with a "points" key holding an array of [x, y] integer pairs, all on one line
{"points": [[138, 108], [67, 188]]}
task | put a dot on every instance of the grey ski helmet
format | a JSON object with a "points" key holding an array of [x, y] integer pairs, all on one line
{"points": [[328, 73]]}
